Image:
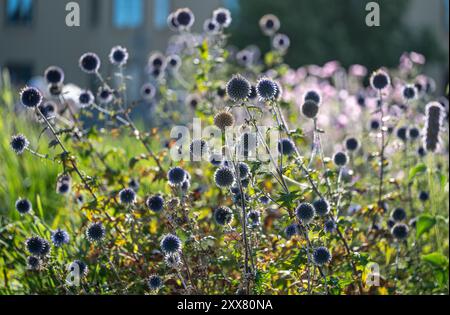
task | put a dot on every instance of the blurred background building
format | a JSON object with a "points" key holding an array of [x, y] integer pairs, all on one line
{"points": [[33, 33]]}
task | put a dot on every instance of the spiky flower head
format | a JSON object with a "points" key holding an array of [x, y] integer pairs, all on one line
{"points": [[402, 133], [170, 244], [34, 263], [105, 95], [185, 18], [176, 176], [414, 133], [322, 207], [400, 231], [313, 95], [155, 203], [85, 99], [148, 91], [223, 215], [399, 214], [211, 27], [30, 97], [60, 237], [435, 115], [63, 184], [127, 196], [244, 170], [23, 206], [424, 196], [238, 88], [374, 124], [95, 232], [286, 146], [310, 109], [173, 261], [156, 60], [245, 57], [154, 282], [118, 56], [37, 246], [224, 177], [330, 226], [340, 159], [172, 63], [54, 75], [351, 144], [292, 230], [19, 143], [89, 63], [224, 120], [222, 17], [380, 80], [321, 256], [409, 92], [253, 218], [281, 42], [269, 24], [305, 212], [264, 200], [266, 89]]}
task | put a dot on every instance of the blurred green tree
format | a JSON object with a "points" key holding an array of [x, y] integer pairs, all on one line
{"points": [[324, 30]]}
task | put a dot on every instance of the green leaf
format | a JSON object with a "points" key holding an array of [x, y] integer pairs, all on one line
{"points": [[424, 223], [39, 207], [436, 259], [418, 169]]}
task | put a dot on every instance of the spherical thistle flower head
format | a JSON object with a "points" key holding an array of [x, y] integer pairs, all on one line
{"points": [[291, 230], [222, 17], [402, 133], [48, 109], [224, 120], [211, 27], [223, 215], [330, 226], [264, 200], [253, 218], [400, 231], [34, 263], [172, 22], [198, 149], [185, 18], [409, 92], [54, 75], [85, 99], [380, 80], [193, 100], [414, 133], [37, 246], [244, 57], [127, 196], [244, 170], [155, 203], [95, 232], [269, 24], [156, 60], [266, 89], [63, 187], [19, 143], [340, 159], [148, 91], [305, 212], [351, 144], [322, 207], [321, 256], [118, 56], [30, 97], [154, 282], [89, 63], [172, 63], [310, 109], [424, 196], [374, 125], [60, 237], [176, 176], [170, 244], [78, 268], [238, 88], [23, 206], [313, 95], [281, 42], [173, 261], [224, 177], [434, 119], [399, 214], [421, 151], [105, 95], [390, 223], [286, 146]]}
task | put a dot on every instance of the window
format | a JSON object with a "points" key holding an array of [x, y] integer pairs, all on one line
{"points": [[19, 12], [161, 11], [128, 13]]}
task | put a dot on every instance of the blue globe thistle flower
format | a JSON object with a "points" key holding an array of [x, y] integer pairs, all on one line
{"points": [[79, 268], [176, 176], [266, 89], [127, 196], [154, 282], [30, 97], [95, 232], [390, 223], [210, 26], [414, 133], [361, 99], [244, 170], [34, 263], [23, 206], [374, 124], [105, 95], [310, 109], [424, 196], [185, 18], [54, 75], [340, 159], [409, 92], [155, 203], [37, 246], [322, 207], [85, 99], [380, 80], [281, 42], [351, 144], [19, 143], [223, 215], [245, 57], [173, 261], [264, 200], [314, 96], [286, 146], [148, 91], [224, 177], [89, 63], [63, 187], [400, 231], [269, 24], [402, 133], [156, 60], [172, 63], [292, 230], [238, 88], [222, 17], [305, 212], [170, 244], [330, 226], [60, 237], [421, 152], [399, 214], [118, 56], [253, 218], [321, 256]]}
